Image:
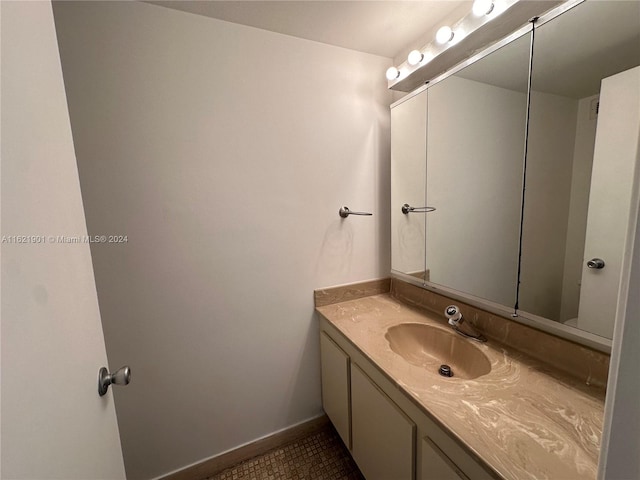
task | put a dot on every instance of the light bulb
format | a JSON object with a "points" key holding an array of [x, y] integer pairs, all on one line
{"points": [[414, 57], [482, 7], [393, 73], [444, 34]]}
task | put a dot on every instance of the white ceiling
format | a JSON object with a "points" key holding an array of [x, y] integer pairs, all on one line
{"points": [[384, 27], [565, 48]]}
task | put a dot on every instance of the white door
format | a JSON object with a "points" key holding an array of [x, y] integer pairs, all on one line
{"points": [[54, 424], [612, 193]]}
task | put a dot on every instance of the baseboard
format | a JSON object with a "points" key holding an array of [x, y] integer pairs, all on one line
{"points": [[211, 466]]}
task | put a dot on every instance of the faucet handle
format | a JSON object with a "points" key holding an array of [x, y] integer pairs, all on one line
{"points": [[452, 312]]}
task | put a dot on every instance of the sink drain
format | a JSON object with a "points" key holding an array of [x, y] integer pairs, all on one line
{"points": [[445, 371]]}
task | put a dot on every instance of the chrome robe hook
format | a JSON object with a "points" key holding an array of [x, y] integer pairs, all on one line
{"points": [[344, 212]]}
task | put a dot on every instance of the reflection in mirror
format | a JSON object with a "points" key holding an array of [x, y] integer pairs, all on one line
{"points": [[408, 165], [475, 157], [576, 205]]}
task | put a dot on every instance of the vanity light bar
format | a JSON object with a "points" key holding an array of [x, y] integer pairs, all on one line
{"points": [[482, 12]]}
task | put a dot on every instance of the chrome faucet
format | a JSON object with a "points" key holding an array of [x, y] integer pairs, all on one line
{"points": [[453, 313]]}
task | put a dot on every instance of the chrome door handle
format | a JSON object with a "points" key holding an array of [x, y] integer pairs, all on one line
{"points": [[121, 376], [597, 263]]}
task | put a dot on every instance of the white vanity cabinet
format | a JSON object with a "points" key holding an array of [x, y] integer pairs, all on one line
{"points": [[389, 436]]}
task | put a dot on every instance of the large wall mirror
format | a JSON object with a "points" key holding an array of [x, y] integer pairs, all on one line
{"points": [[475, 157], [577, 204], [574, 206]]}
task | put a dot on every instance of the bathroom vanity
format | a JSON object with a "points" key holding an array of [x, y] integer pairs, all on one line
{"points": [[517, 419], [514, 192]]}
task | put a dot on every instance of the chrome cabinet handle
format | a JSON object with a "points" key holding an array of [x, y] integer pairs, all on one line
{"points": [[344, 212], [406, 208], [121, 376], [597, 263]]}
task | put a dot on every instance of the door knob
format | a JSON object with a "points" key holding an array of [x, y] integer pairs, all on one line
{"points": [[595, 263], [121, 376]]}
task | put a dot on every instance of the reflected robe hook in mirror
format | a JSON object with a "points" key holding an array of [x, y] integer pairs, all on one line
{"points": [[344, 212], [406, 208]]}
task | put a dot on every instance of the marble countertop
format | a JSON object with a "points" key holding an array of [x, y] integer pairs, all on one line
{"points": [[524, 419]]}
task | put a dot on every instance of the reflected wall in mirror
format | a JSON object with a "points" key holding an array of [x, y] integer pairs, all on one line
{"points": [[475, 158], [576, 205], [408, 166]]}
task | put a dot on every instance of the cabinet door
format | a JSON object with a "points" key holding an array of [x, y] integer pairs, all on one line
{"points": [[383, 436], [335, 386], [436, 465]]}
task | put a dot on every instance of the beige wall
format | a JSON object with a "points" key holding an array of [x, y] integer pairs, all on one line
{"points": [[224, 153], [54, 424]]}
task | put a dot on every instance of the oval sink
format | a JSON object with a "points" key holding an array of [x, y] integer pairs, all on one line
{"points": [[430, 347]]}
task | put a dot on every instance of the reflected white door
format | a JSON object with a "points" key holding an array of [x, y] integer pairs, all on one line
{"points": [[54, 424], [615, 161]]}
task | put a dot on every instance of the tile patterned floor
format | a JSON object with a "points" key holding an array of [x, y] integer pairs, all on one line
{"points": [[320, 456]]}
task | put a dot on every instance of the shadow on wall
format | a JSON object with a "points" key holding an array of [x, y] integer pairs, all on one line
{"points": [[336, 251]]}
